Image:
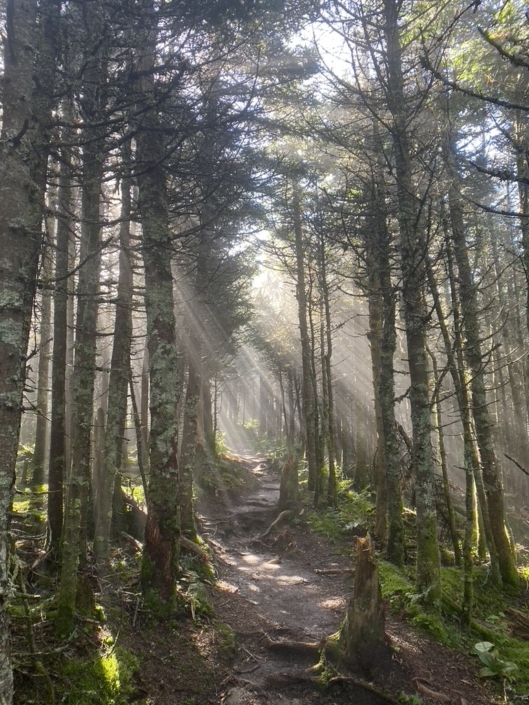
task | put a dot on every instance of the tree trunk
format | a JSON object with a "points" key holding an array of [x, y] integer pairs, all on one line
{"points": [[362, 639], [413, 249], [56, 474], [23, 162], [307, 392], [119, 379], [76, 510], [160, 558], [41, 433], [491, 470]]}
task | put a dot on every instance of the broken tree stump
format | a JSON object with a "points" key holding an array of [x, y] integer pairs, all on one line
{"points": [[361, 644], [289, 488]]}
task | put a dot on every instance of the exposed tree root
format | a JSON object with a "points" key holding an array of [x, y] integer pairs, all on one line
{"points": [[334, 571], [283, 517], [300, 647], [358, 682]]}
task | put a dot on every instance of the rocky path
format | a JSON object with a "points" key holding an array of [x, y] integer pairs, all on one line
{"points": [[271, 591], [290, 586]]}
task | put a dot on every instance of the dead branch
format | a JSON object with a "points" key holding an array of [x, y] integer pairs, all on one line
{"points": [[336, 680], [133, 542], [302, 647], [520, 467], [334, 571], [194, 548], [283, 517]]}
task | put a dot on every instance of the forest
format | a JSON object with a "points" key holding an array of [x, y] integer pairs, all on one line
{"points": [[264, 291]]}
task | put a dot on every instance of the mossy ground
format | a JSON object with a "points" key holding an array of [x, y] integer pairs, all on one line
{"points": [[355, 513], [120, 652]]}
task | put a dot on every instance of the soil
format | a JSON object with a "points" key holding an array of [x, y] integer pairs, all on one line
{"points": [[270, 591]]}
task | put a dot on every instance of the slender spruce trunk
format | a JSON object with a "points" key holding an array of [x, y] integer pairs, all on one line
{"points": [[307, 379], [76, 510], [41, 432], [56, 472], [119, 379], [327, 349], [471, 452], [413, 248], [490, 468], [162, 532], [438, 424]]}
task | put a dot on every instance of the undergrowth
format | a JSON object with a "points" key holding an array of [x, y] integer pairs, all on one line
{"points": [[508, 656]]}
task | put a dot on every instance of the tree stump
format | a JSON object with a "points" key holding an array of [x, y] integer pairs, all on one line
{"points": [[289, 490], [361, 643]]}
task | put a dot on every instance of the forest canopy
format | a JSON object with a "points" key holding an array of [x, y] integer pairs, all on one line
{"points": [[293, 223]]}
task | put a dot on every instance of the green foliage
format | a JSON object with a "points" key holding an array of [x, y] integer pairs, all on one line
{"points": [[410, 699], [494, 666], [353, 516], [226, 474], [195, 595]]}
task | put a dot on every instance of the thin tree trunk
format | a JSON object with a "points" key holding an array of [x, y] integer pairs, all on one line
{"points": [[20, 242], [119, 379], [438, 423], [56, 474], [307, 393], [41, 433], [491, 470], [76, 510], [413, 248]]}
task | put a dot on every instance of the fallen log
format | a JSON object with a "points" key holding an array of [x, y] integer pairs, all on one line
{"points": [[300, 647]]}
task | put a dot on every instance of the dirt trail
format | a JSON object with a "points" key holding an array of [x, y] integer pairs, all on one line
{"points": [[271, 590], [268, 590]]}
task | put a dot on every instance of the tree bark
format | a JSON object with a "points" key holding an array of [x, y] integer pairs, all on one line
{"points": [[489, 463], [23, 163], [76, 510], [57, 462], [413, 249], [160, 558], [119, 378]]}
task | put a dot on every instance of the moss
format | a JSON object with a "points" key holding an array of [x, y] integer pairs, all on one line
{"points": [[226, 641], [353, 517], [104, 679], [393, 581]]}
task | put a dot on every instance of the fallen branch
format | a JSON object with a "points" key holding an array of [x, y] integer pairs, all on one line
{"points": [[133, 542], [248, 670], [303, 647], [284, 516], [520, 467], [334, 571], [194, 548], [434, 695], [336, 680]]}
